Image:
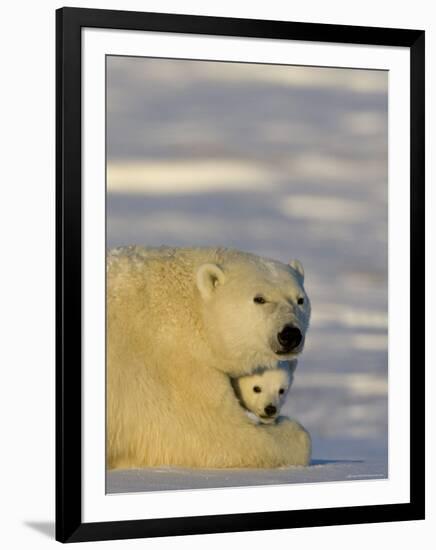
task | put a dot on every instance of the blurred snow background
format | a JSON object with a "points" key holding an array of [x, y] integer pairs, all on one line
{"points": [[286, 162]]}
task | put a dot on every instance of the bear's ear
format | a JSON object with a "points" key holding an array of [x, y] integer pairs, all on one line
{"points": [[209, 276], [298, 267]]}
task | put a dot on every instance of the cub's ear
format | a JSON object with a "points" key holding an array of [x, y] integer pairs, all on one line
{"points": [[209, 276], [298, 267]]}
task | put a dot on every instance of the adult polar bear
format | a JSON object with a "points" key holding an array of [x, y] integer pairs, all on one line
{"points": [[181, 323]]}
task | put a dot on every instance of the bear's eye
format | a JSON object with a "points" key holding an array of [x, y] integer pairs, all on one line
{"points": [[281, 391], [256, 389], [300, 301], [259, 300]]}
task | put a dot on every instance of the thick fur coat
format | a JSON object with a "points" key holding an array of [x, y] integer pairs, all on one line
{"points": [[180, 324]]}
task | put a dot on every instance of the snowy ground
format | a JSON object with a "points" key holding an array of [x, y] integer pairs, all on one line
{"points": [[284, 162], [170, 479]]}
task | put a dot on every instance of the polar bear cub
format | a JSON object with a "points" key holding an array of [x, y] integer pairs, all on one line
{"points": [[263, 393]]}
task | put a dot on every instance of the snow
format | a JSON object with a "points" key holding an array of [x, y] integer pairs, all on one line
{"points": [[170, 479], [286, 162]]}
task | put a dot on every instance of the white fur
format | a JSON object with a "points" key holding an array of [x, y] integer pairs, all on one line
{"points": [[181, 323], [267, 387]]}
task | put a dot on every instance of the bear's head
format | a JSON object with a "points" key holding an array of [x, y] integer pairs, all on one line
{"points": [[264, 392], [255, 311]]}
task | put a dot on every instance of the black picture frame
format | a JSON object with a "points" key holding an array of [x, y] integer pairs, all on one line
{"points": [[69, 22]]}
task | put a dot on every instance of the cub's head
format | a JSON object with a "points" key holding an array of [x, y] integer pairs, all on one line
{"points": [[255, 311], [264, 392]]}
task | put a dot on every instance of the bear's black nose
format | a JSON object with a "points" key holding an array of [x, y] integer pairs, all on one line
{"points": [[270, 410], [289, 338]]}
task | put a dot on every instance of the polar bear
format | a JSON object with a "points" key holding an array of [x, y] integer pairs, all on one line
{"points": [[264, 392], [181, 322]]}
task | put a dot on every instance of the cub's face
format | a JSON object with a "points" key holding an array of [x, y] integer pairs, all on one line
{"points": [[264, 393], [254, 314]]}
